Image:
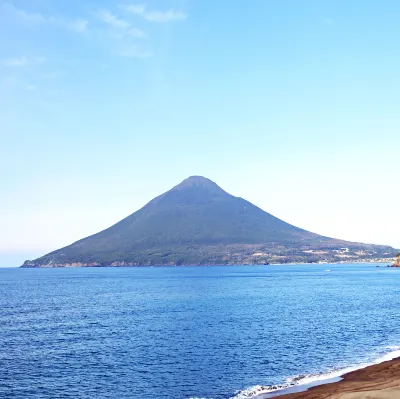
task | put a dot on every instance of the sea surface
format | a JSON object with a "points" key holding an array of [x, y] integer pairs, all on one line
{"points": [[191, 332]]}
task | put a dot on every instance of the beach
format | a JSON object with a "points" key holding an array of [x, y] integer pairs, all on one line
{"points": [[379, 381]]}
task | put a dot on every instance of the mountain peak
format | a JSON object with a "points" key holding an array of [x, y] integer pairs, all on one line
{"points": [[199, 182], [198, 178]]}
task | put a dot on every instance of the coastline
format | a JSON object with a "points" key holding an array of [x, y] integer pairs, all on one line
{"points": [[378, 381], [386, 262]]}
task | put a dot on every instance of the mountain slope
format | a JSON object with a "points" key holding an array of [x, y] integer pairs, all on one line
{"points": [[197, 222]]}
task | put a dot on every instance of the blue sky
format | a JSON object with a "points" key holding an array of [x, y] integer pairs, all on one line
{"points": [[292, 105]]}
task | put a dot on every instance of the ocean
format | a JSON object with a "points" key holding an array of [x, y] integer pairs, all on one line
{"points": [[191, 332]]}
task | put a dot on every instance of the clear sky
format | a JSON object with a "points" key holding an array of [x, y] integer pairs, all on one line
{"points": [[293, 105]]}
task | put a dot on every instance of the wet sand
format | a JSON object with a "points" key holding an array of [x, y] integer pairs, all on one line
{"points": [[380, 381]]}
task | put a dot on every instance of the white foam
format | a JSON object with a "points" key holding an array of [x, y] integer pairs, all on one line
{"points": [[255, 391], [314, 379], [395, 353]]}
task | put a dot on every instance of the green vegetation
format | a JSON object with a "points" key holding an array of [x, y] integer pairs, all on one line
{"points": [[198, 223]]}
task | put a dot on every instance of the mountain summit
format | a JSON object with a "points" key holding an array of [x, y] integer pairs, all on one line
{"points": [[197, 222], [196, 188], [200, 182]]}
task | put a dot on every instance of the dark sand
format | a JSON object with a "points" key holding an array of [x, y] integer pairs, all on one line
{"points": [[380, 381]]}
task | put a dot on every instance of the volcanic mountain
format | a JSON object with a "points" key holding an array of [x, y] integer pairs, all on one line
{"points": [[197, 223]]}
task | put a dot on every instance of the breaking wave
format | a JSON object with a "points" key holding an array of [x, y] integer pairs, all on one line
{"points": [[309, 380]]}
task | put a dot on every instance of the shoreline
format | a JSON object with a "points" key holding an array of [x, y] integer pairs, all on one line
{"points": [[127, 265], [377, 381], [298, 387]]}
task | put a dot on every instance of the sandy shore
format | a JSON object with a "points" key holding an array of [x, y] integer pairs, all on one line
{"points": [[380, 381]]}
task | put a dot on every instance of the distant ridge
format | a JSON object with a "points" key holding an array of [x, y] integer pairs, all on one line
{"points": [[198, 223]]}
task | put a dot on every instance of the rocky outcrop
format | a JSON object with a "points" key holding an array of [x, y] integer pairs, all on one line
{"points": [[397, 261]]}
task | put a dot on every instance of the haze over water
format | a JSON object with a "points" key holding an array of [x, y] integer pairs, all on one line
{"points": [[205, 332]]}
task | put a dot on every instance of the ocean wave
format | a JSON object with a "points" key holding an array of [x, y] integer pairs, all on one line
{"points": [[258, 391], [392, 354]]}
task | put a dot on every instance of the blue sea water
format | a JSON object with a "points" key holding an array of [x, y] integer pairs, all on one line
{"points": [[190, 332]]}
